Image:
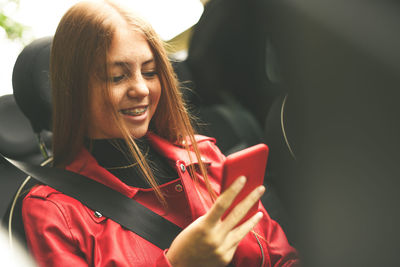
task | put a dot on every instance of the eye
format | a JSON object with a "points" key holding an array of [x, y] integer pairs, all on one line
{"points": [[117, 79], [149, 74]]}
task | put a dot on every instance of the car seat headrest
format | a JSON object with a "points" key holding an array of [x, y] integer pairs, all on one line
{"points": [[31, 83], [17, 140]]}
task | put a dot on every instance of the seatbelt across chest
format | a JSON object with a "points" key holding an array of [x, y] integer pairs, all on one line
{"points": [[112, 204]]}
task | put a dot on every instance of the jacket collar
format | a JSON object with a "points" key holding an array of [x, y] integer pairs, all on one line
{"points": [[175, 152], [85, 164]]}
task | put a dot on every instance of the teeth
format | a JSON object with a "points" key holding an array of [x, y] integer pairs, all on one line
{"points": [[134, 111]]}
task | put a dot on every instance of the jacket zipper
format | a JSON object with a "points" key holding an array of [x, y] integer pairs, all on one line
{"points": [[261, 249]]}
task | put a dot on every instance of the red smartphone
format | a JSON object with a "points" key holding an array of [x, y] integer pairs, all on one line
{"points": [[250, 162]]}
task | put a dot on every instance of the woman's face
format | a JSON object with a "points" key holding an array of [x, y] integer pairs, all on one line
{"points": [[135, 87]]}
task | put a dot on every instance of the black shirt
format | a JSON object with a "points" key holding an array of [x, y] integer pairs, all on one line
{"points": [[113, 155]]}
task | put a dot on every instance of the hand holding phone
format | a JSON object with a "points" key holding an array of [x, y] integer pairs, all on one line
{"points": [[251, 163]]}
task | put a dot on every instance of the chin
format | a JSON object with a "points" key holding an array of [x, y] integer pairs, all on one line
{"points": [[139, 131]]}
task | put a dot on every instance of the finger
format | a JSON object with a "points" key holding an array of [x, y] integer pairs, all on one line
{"points": [[237, 234], [241, 209], [225, 200]]}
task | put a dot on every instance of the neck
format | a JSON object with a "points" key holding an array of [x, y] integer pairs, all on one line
{"points": [[114, 155]]}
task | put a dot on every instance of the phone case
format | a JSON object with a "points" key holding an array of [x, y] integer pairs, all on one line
{"points": [[250, 162]]}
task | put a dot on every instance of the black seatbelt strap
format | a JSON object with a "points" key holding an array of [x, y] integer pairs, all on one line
{"points": [[110, 203]]}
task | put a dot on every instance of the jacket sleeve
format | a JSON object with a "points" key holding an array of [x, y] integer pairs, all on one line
{"points": [[280, 252], [162, 260], [48, 234]]}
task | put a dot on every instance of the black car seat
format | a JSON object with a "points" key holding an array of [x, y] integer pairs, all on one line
{"points": [[280, 136], [17, 141], [26, 135], [228, 52], [233, 126]]}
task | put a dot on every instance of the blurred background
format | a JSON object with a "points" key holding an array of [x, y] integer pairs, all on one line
{"points": [[316, 80]]}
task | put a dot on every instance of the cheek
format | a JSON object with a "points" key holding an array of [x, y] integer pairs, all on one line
{"points": [[99, 107], [95, 111], [101, 115], [98, 119], [155, 95]]}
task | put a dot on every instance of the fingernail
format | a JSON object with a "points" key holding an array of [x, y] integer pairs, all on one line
{"points": [[242, 180], [261, 189]]}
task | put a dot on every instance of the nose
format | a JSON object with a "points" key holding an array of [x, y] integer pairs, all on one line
{"points": [[137, 88]]}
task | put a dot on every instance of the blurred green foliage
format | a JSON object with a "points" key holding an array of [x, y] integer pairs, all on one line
{"points": [[13, 28]]}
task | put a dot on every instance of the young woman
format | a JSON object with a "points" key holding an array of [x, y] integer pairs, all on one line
{"points": [[119, 119]]}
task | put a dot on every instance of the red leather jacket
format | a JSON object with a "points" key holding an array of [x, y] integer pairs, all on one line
{"points": [[61, 231]]}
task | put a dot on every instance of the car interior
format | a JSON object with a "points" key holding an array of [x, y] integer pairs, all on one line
{"points": [[27, 114], [275, 85]]}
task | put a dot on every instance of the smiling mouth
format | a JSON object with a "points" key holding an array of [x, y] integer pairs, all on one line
{"points": [[134, 111]]}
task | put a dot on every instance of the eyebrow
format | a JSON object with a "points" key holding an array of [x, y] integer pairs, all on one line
{"points": [[148, 62], [126, 64]]}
